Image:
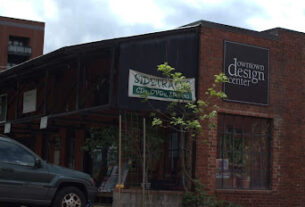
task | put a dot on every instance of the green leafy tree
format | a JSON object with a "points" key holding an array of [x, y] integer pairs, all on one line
{"points": [[184, 116], [188, 118]]}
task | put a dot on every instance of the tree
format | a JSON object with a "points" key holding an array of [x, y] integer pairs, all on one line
{"points": [[188, 118], [184, 116]]}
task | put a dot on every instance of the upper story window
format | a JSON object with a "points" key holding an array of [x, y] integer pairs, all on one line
{"points": [[18, 41], [243, 152], [18, 49]]}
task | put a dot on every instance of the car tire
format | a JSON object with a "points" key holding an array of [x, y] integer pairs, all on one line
{"points": [[69, 196]]}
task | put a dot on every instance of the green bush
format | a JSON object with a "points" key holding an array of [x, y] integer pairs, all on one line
{"points": [[199, 198]]}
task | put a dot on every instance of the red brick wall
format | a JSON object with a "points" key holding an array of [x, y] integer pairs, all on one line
{"points": [[286, 109], [36, 37]]}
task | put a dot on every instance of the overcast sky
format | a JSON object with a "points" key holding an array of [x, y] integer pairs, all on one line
{"points": [[71, 22]]}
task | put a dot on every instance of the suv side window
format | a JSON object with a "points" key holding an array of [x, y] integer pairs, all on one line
{"points": [[15, 154]]}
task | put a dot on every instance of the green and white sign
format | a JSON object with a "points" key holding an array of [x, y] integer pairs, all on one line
{"points": [[157, 88]]}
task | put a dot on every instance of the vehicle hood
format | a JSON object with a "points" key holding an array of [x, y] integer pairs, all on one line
{"points": [[68, 173]]}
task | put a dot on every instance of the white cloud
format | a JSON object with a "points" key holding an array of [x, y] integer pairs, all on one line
{"points": [[138, 11], [24, 9], [50, 10], [77, 21], [286, 14]]}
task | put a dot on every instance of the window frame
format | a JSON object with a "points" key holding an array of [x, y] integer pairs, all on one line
{"points": [[264, 175], [174, 150]]}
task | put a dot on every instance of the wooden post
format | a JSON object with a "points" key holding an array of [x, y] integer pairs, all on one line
{"points": [[78, 75], [51, 149], [120, 157], [144, 163], [39, 144], [17, 99], [79, 141], [63, 144], [45, 100]]}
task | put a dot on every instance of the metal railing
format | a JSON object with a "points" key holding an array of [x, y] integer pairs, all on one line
{"points": [[19, 50]]}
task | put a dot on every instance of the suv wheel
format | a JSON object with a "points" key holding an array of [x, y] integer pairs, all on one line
{"points": [[69, 197]]}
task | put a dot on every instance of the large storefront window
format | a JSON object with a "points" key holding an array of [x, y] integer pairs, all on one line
{"points": [[243, 152]]}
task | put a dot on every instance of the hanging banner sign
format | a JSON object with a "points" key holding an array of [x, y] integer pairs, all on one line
{"points": [[247, 69], [157, 88]]}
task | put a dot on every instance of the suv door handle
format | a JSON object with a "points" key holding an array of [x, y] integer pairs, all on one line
{"points": [[7, 170]]}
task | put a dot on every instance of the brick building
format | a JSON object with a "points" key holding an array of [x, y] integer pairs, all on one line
{"points": [[279, 157], [253, 157], [20, 40]]}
